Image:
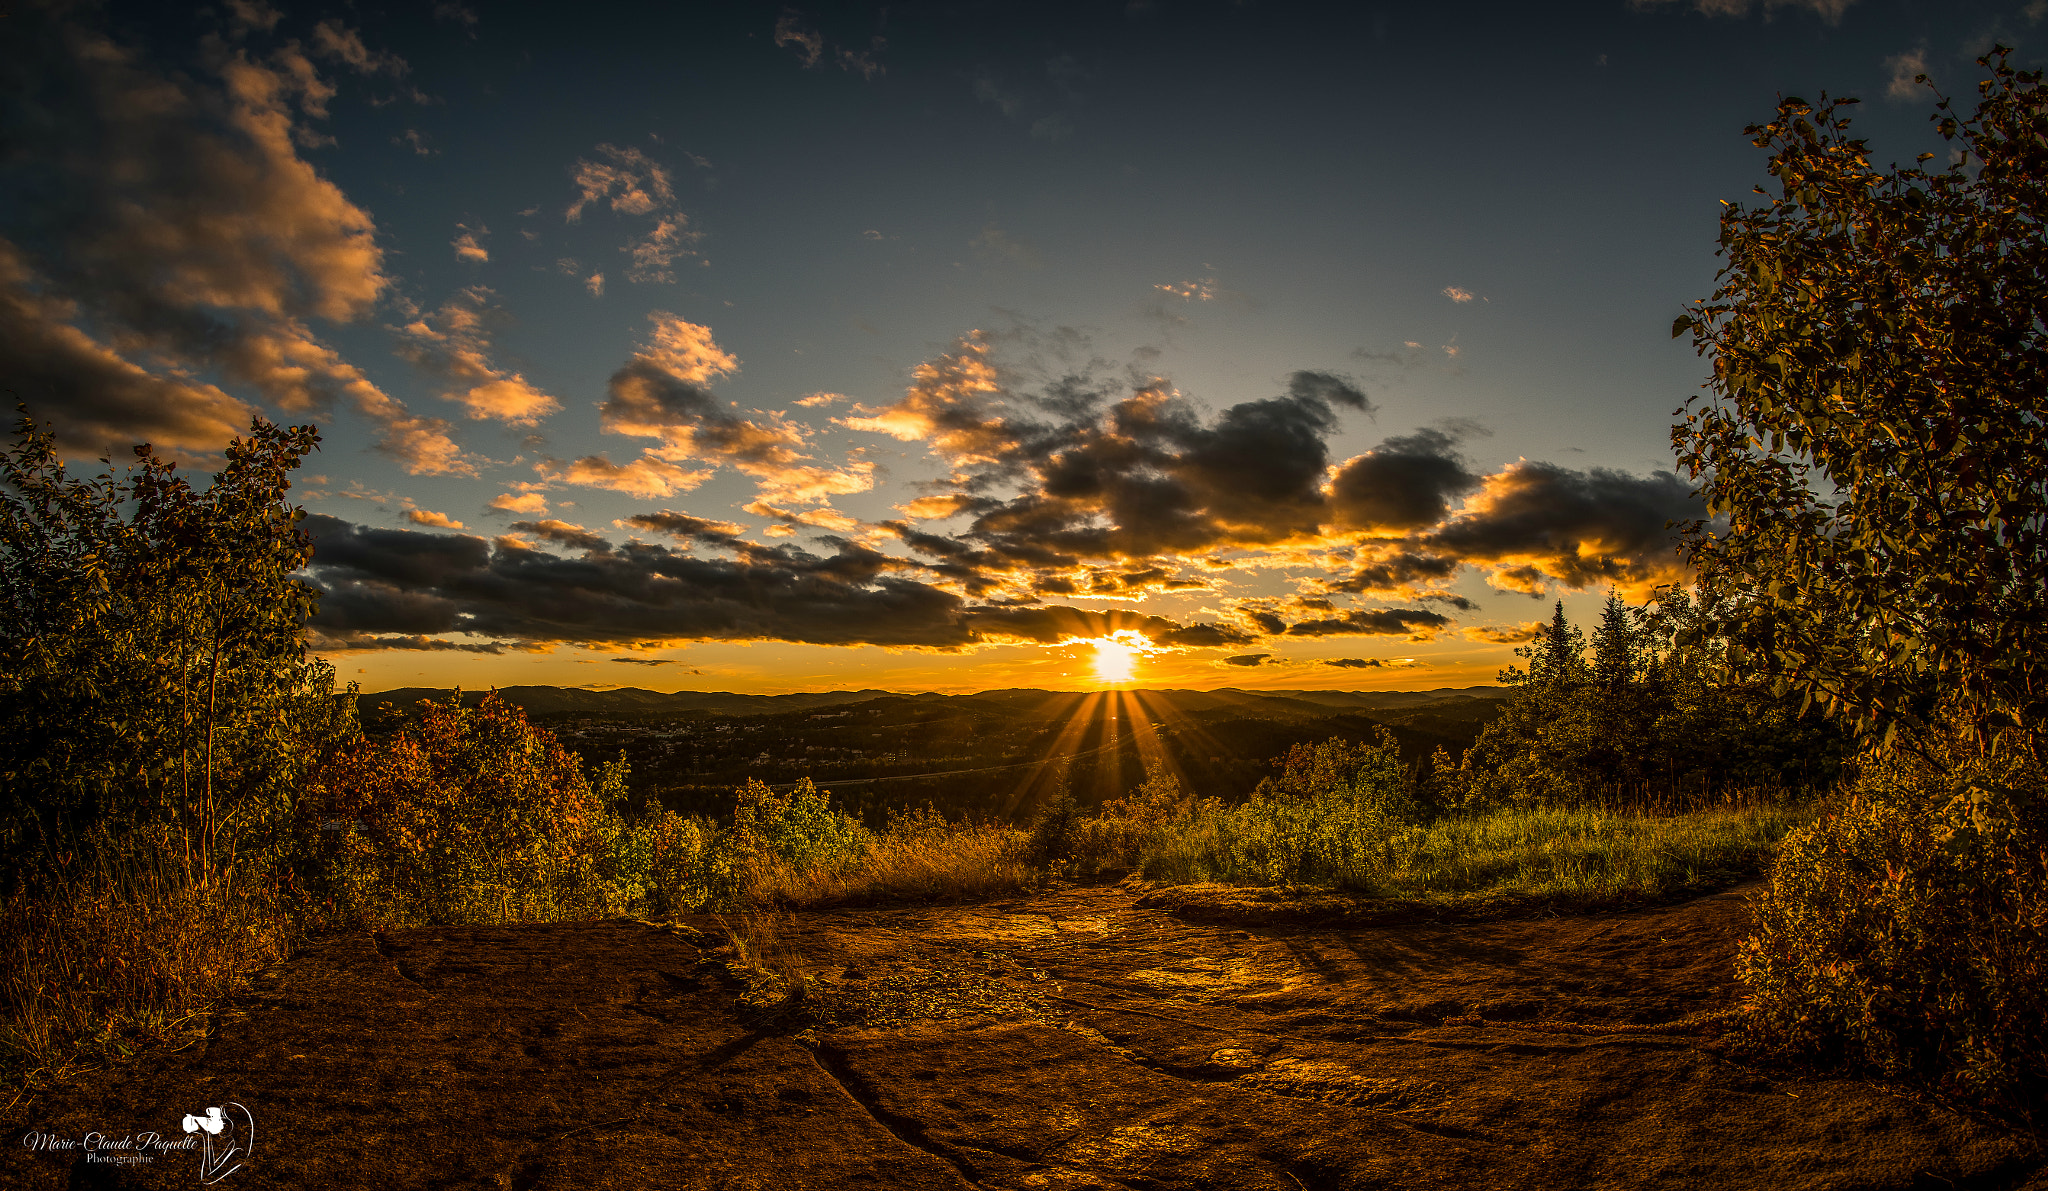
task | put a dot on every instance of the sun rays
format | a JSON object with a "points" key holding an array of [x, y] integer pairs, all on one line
{"points": [[1117, 655]]}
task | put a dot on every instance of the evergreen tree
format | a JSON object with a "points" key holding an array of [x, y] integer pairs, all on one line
{"points": [[1556, 655], [1618, 660]]}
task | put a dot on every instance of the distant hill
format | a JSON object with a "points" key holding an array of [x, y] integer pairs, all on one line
{"points": [[626, 702], [994, 753], [635, 703]]}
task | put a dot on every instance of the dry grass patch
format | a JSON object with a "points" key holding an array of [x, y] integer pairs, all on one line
{"points": [[111, 964], [920, 858]]}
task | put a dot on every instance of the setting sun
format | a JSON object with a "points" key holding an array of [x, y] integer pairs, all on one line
{"points": [[1116, 657]]}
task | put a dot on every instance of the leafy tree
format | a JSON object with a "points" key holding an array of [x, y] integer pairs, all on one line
{"points": [[1877, 423], [151, 670], [1875, 435]]}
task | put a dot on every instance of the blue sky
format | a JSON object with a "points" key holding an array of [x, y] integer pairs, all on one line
{"points": [[1267, 337]]}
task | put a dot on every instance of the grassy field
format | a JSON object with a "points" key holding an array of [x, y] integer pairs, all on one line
{"points": [[1564, 858]]}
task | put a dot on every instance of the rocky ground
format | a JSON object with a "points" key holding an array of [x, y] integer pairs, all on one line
{"points": [[1079, 1039]]}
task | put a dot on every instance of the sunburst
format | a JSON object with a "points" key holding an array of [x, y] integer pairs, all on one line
{"points": [[1116, 656]]}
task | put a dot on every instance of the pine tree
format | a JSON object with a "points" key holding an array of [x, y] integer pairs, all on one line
{"points": [[1558, 652], [1617, 647]]}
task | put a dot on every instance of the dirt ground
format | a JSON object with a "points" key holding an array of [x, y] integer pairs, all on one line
{"points": [[1072, 1040]]}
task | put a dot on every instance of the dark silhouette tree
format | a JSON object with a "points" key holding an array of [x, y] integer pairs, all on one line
{"points": [[151, 667]]}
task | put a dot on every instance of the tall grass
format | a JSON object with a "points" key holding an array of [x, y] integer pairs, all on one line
{"points": [[126, 954], [921, 857], [1561, 857]]}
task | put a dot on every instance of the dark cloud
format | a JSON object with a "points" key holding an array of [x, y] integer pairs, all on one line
{"points": [[320, 640], [1247, 659], [1533, 522], [1116, 473], [687, 527], [562, 533], [1373, 622], [1394, 567], [1403, 484], [1355, 663], [386, 581]]}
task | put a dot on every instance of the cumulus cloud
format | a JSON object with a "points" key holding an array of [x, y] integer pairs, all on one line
{"points": [[1458, 294], [1533, 522], [175, 215], [430, 518], [595, 284], [633, 184], [1203, 290], [808, 44], [1355, 663], [628, 180], [333, 39], [453, 345], [92, 397], [468, 247], [663, 392], [653, 254], [245, 15], [1247, 659], [1504, 634], [524, 502], [644, 476], [1112, 471], [1906, 69]]}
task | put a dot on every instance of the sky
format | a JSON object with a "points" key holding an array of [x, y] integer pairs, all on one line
{"points": [[922, 347]]}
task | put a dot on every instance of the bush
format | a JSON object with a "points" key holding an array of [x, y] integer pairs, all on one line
{"points": [[1907, 932], [1322, 821], [800, 828], [1055, 829], [1125, 830], [469, 815]]}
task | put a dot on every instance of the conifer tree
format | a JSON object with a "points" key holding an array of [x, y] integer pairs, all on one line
{"points": [[1617, 647]]}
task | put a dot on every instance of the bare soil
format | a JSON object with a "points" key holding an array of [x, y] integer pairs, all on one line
{"points": [[1072, 1040]]}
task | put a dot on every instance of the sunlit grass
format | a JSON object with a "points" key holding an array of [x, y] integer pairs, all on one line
{"points": [[919, 859], [1565, 858], [123, 957]]}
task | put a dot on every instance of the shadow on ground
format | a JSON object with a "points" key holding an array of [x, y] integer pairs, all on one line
{"points": [[1074, 1040]]}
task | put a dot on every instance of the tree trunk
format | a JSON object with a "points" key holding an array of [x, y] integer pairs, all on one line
{"points": [[206, 809]]}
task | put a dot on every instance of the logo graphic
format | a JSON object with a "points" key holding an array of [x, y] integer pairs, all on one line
{"points": [[226, 1137]]}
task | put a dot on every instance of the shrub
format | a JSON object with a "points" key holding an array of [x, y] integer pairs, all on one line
{"points": [[1054, 829], [799, 827], [1119, 835], [469, 815], [1322, 821], [1909, 935]]}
